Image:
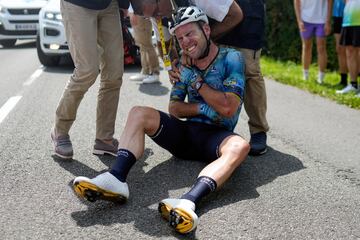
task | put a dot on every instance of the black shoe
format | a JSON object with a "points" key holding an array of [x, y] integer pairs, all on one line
{"points": [[258, 144]]}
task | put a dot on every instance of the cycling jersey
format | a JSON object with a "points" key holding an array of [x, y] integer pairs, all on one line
{"points": [[226, 74]]}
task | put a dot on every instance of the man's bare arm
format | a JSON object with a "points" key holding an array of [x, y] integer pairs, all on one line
{"points": [[233, 18]]}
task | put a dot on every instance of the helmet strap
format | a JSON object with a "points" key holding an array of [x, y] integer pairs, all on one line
{"points": [[207, 50]]}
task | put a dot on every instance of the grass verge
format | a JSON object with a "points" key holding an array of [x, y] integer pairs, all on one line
{"points": [[290, 73]]}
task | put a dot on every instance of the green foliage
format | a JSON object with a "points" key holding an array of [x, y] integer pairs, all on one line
{"points": [[290, 73], [283, 40]]}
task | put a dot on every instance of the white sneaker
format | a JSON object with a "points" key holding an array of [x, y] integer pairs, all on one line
{"points": [[138, 77], [319, 81], [348, 89], [105, 186], [151, 79], [180, 213]]}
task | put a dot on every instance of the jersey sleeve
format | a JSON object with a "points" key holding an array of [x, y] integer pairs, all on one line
{"points": [[235, 72], [179, 89]]}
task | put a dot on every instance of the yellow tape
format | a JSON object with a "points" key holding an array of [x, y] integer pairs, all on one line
{"points": [[166, 57]]}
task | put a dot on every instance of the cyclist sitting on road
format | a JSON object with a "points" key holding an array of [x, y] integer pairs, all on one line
{"points": [[214, 86]]}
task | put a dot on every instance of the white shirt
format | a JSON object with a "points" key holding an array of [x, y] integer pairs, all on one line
{"points": [[314, 11], [215, 9]]}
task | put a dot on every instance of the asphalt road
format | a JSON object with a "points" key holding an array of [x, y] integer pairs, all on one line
{"points": [[306, 187]]}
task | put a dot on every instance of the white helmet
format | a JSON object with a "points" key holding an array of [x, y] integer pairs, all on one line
{"points": [[186, 15]]}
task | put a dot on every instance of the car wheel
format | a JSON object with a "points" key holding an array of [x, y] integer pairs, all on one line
{"points": [[7, 43], [47, 61]]}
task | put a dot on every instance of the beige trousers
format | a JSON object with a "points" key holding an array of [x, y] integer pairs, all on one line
{"points": [[255, 92], [143, 34], [95, 43]]}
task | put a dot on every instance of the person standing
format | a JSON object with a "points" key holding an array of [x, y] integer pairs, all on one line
{"points": [[248, 38], [313, 19], [350, 38], [91, 25], [338, 12], [150, 69]]}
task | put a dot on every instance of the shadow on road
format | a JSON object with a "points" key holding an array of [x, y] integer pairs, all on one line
{"points": [[153, 89], [148, 188]]}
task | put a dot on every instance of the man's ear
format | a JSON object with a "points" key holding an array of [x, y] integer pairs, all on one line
{"points": [[206, 28]]}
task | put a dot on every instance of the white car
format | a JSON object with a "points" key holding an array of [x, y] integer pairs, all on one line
{"points": [[18, 20], [51, 41]]}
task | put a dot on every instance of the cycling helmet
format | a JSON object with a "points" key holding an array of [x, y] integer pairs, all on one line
{"points": [[186, 15]]}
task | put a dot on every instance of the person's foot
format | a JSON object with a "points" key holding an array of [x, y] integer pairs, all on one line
{"points": [[180, 213], [105, 187], [154, 78], [62, 145], [101, 148], [138, 77], [258, 144], [348, 89]]}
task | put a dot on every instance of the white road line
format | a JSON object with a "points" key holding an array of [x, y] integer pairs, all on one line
{"points": [[34, 76], [8, 106]]}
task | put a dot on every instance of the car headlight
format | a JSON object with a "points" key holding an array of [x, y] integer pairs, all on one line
{"points": [[2, 9], [53, 16]]}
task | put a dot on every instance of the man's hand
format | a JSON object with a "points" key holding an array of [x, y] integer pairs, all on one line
{"points": [[301, 26], [327, 28], [174, 73]]}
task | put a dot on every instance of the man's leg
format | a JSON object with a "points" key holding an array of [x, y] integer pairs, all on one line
{"points": [[322, 58], [112, 67], [255, 101], [341, 56], [80, 25], [181, 212], [112, 185], [352, 57], [306, 55]]}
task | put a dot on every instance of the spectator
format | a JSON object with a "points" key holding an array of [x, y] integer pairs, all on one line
{"points": [[338, 12], [350, 38], [214, 100], [150, 69], [90, 24], [313, 19]]}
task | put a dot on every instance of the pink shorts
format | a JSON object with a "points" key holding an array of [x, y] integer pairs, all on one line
{"points": [[313, 29]]}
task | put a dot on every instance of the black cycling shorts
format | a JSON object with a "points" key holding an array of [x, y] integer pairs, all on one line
{"points": [[190, 140], [337, 23], [350, 36]]}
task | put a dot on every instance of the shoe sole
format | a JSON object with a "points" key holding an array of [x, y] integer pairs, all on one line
{"points": [[92, 193], [178, 219], [56, 153], [62, 156], [103, 152]]}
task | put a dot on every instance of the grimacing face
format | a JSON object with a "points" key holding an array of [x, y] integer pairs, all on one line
{"points": [[152, 8], [191, 39]]}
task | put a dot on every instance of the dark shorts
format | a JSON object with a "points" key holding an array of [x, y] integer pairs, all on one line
{"points": [[313, 29], [350, 36], [337, 22], [190, 140]]}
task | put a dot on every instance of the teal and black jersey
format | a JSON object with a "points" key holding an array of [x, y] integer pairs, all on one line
{"points": [[226, 74]]}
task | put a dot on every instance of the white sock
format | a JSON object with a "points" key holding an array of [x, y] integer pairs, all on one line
{"points": [[321, 76], [305, 74]]}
